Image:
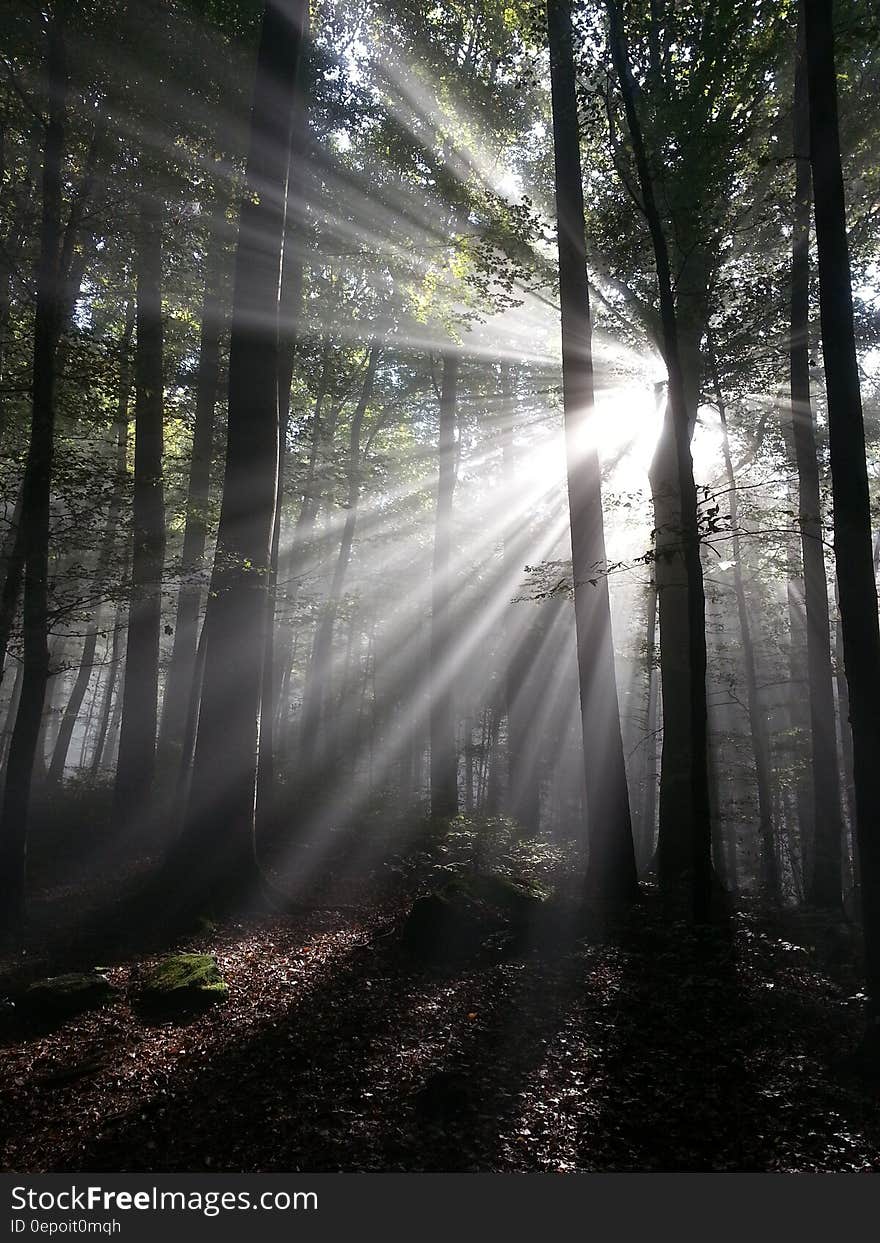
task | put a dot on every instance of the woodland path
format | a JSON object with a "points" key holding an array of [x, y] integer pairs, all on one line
{"points": [[659, 1051]]}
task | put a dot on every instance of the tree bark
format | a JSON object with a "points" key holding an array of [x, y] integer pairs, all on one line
{"points": [[135, 767], [317, 678], [290, 308], [612, 869], [183, 652], [685, 840], [105, 555], [849, 477], [757, 716], [444, 758], [649, 802], [216, 854], [12, 581], [824, 870], [36, 497]]}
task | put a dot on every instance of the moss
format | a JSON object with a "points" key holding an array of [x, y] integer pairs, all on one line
{"points": [[184, 980], [508, 894], [68, 994]]}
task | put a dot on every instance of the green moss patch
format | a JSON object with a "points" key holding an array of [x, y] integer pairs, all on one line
{"points": [[182, 982]]}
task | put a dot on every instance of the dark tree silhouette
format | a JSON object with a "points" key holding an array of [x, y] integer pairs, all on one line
{"points": [[612, 867]]}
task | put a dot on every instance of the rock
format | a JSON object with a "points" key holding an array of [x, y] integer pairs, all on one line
{"points": [[443, 927], [183, 982], [60, 996], [456, 921]]}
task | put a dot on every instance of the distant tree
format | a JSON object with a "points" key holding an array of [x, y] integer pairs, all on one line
{"points": [[135, 768], [444, 755]]}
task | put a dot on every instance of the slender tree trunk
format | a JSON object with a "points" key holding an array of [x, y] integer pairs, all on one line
{"points": [[522, 798], [11, 711], [317, 676], [36, 498], [109, 687], [105, 555], [290, 307], [218, 837], [612, 868], [183, 652], [11, 251], [135, 766], [798, 699], [280, 657], [846, 750], [685, 842], [649, 804], [849, 478], [444, 759], [824, 874], [12, 581], [181, 791], [757, 717], [88, 723]]}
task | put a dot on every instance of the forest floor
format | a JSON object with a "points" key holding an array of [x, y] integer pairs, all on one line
{"points": [[661, 1049]]}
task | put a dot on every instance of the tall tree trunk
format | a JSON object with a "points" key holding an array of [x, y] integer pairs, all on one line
{"points": [[105, 555], [318, 674], [521, 644], [757, 717], [685, 841], [12, 580], [135, 766], [849, 478], [12, 248], [824, 873], [798, 698], [290, 307], [221, 847], [612, 867], [845, 738], [36, 498], [9, 723], [444, 757], [649, 802], [183, 652], [109, 686]]}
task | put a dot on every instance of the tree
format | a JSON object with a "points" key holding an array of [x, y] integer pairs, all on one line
{"points": [[318, 676], [444, 756], [225, 762], [183, 653], [849, 477], [36, 490], [135, 768], [114, 512], [612, 869], [756, 713], [824, 878], [684, 849]]}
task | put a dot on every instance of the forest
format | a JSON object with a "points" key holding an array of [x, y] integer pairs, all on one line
{"points": [[439, 547]]}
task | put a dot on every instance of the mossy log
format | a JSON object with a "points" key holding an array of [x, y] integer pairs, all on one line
{"points": [[61, 996]]}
